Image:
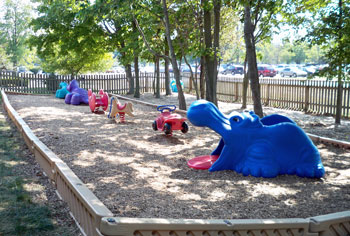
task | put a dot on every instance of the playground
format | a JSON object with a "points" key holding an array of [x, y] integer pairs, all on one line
{"points": [[137, 172]]}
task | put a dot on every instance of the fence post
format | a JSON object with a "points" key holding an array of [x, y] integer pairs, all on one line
{"points": [[306, 103], [236, 91], [268, 95], [146, 82]]}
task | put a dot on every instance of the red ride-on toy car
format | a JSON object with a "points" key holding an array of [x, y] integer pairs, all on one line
{"points": [[168, 121]]}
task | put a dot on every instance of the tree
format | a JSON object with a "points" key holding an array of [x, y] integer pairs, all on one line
{"points": [[188, 39], [259, 17], [68, 41], [159, 10], [14, 29], [116, 21], [232, 48], [5, 63], [314, 54], [251, 60], [211, 10], [181, 97], [331, 31]]}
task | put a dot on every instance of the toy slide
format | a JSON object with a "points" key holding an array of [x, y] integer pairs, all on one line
{"points": [[267, 147]]}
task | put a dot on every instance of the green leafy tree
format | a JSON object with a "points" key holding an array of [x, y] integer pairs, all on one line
{"points": [[168, 33], [149, 16], [115, 18], [232, 48], [331, 31], [259, 18], [14, 29], [189, 41], [315, 54], [5, 63], [68, 41], [298, 50]]}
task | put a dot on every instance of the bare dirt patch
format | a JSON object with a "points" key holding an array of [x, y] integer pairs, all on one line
{"points": [[138, 172]]}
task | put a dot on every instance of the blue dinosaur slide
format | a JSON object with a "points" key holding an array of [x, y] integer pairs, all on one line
{"points": [[267, 147]]}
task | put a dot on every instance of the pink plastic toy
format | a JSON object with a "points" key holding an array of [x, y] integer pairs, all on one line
{"points": [[202, 162], [98, 103]]}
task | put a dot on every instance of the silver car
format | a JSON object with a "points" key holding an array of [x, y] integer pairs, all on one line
{"points": [[293, 72]]}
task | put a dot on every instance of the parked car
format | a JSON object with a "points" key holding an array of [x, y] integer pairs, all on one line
{"points": [[266, 71], [279, 68], [186, 69], [222, 68], [293, 72], [309, 70], [233, 70]]}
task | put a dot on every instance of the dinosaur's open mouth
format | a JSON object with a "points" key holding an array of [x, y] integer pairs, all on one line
{"points": [[206, 161], [202, 162]]}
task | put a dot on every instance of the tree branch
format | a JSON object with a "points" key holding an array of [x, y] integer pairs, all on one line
{"points": [[146, 42], [149, 11]]}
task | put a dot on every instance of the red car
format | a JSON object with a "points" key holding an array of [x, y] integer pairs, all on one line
{"points": [[266, 71], [168, 121]]}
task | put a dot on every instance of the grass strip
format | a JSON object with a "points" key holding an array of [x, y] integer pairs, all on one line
{"points": [[19, 214]]}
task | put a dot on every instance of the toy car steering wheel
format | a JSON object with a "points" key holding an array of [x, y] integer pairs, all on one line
{"points": [[170, 108]]}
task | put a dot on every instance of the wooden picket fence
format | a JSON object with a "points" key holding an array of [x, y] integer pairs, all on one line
{"points": [[314, 96], [48, 84]]}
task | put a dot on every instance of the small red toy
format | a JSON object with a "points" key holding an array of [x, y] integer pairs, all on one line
{"points": [[98, 103], [168, 121]]}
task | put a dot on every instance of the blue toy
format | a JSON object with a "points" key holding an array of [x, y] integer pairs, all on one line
{"points": [[173, 85], [263, 147], [62, 91], [76, 95]]}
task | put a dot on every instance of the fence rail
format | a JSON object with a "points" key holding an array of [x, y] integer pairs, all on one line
{"points": [[314, 96]]}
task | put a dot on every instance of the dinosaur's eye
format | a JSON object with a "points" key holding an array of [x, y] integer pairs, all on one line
{"points": [[236, 119]]}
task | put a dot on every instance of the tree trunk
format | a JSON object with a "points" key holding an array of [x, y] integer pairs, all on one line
{"points": [[191, 78], [208, 57], [181, 97], [245, 84], [130, 78], [128, 72], [136, 65], [338, 111], [137, 77], [217, 8], [157, 77], [251, 59], [166, 69], [201, 78], [340, 68]]}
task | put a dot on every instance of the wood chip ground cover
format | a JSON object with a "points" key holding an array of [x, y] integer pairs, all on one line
{"points": [[138, 172]]}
